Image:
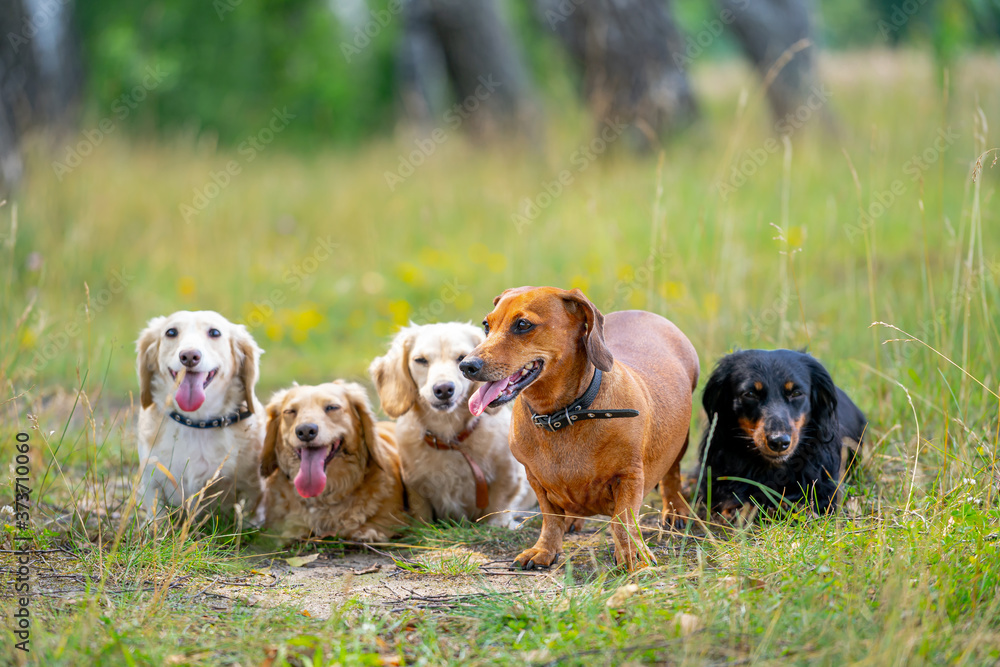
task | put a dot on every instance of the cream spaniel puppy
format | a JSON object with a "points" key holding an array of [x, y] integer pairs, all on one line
{"points": [[454, 465], [331, 471], [201, 427]]}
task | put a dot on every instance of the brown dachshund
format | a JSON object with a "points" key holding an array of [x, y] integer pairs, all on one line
{"points": [[602, 413]]}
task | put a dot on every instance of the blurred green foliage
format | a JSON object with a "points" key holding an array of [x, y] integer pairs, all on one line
{"points": [[950, 26], [226, 65]]}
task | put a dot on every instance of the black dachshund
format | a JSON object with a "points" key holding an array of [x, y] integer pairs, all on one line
{"points": [[781, 423]]}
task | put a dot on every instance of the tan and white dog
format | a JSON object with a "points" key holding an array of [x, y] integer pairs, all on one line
{"points": [[200, 420], [454, 465]]}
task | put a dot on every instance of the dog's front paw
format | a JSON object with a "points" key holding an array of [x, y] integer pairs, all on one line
{"points": [[674, 520], [535, 557], [634, 557], [736, 514], [369, 534]]}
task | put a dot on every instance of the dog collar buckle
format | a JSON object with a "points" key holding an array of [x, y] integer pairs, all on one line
{"points": [[543, 421], [554, 421]]}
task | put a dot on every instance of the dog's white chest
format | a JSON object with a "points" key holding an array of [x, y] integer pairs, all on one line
{"points": [[194, 457]]}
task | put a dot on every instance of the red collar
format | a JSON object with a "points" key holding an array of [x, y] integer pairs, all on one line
{"points": [[482, 489], [437, 443]]}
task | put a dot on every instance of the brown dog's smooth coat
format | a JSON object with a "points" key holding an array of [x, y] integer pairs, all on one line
{"points": [[600, 466]]}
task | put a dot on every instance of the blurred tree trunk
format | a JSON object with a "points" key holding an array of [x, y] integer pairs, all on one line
{"points": [[40, 76], [462, 46], [630, 55], [17, 73], [765, 30], [57, 54]]}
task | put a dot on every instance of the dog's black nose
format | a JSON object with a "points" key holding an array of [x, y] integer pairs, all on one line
{"points": [[190, 358], [779, 442], [444, 390], [471, 366], [306, 432]]}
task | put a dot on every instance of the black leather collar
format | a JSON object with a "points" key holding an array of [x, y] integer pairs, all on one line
{"points": [[578, 410], [218, 422]]}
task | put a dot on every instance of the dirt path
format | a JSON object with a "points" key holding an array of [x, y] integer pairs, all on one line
{"points": [[432, 579]]}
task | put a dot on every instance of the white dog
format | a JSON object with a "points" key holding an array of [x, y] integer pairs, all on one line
{"points": [[454, 465], [200, 420]]}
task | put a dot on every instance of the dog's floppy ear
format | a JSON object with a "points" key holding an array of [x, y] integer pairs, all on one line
{"points": [[362, 407], [717, 390], [391, 374], [269, 455], [247, 356], [822, 399], [147, 349], [597, 351]]}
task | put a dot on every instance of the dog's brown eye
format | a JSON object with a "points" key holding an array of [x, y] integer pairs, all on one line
{"points": [[486, 327], [171, 333], [523, 325], [332, 408], [421, 361], [749, 396], [290, 412], [460, 357], [214, 333], [794, 393]]}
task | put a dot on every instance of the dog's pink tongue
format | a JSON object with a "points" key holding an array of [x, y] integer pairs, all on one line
{"points": [[191, 394], [486, 395], [311, 479]]}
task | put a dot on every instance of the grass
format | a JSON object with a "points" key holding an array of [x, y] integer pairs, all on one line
{"points": [[907, 574]]}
